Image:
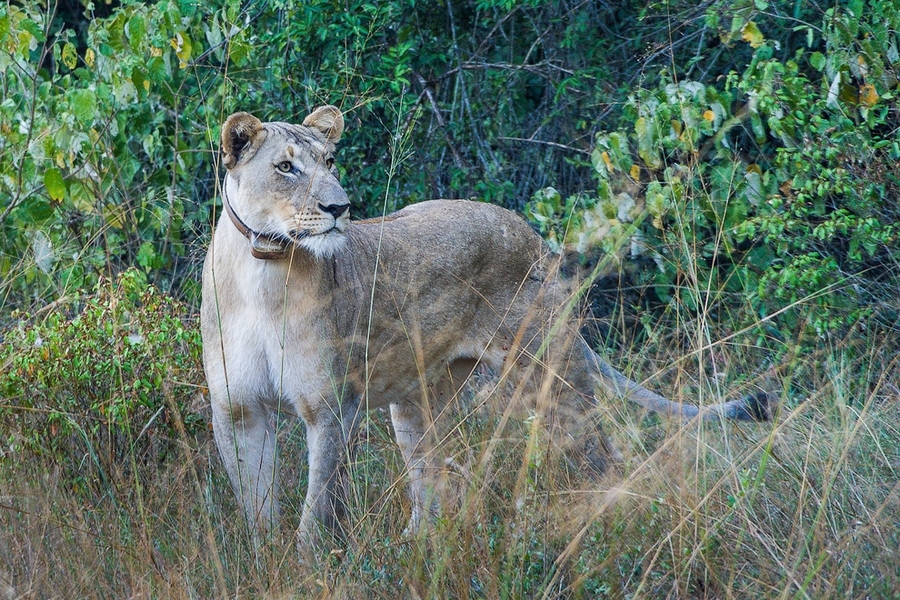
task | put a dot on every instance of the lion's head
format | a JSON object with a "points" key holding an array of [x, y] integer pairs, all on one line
{"points": [[281, 187]]}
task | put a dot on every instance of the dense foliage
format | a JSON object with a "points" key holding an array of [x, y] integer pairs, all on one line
{"points": [[744, 162], [776, 182], [760, 132], [749, 150]]}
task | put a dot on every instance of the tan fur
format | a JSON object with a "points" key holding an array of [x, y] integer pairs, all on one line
{"points": [[380, 313]]}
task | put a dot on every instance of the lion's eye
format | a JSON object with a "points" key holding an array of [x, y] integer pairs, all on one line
{"points": [[285, 166], [329, 162]]}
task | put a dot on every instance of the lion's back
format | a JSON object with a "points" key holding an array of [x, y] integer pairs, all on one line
{"points": [[463, 230]]}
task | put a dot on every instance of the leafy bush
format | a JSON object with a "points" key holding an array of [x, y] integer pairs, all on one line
{"points": [[110, 123], [776, 183], [110, 127], [112, 381], [103, 136]]}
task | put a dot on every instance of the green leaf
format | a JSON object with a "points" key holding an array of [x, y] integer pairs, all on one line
{"points": [[239, 51], [69, 55], [34, 28], [147, 257], [37, 209], [817, 60], [136, 29], [648, 148], [84, 105], [141, 82], [56, 186], [157, 70]]}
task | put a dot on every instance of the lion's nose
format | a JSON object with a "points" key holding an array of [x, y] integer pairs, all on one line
{"points": [[335, 210]]}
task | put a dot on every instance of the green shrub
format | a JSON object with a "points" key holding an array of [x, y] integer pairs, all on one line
{"points": [[104, 134], [109, 124], [775, 186], [113, 381]]}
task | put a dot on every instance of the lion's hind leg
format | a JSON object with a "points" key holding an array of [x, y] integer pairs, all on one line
{"points": [[580, 437], [565, 397], [414, 431]]}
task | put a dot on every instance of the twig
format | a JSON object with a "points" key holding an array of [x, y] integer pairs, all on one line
{"points": [[540, 68], [545, 143], [440, 120], [148, 425], [497, 26], [407, 124]]}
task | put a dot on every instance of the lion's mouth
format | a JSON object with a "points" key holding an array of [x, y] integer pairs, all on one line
{"points": [[298, 235]]}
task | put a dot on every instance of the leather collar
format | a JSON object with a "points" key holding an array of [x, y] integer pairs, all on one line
{"points": [[262, 246]]}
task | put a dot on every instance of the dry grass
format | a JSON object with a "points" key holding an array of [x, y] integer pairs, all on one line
{"points": [[806, 507]]}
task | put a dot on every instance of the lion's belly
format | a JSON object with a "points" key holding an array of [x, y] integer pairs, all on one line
{"points": [[406, 368]]}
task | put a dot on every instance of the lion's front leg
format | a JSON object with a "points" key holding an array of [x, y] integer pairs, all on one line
{"points": [[246, 442], [329, 437], [417, 435]]}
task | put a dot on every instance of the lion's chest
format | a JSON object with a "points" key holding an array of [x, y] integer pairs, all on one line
{"points": [[275, 344], [294, 356]]}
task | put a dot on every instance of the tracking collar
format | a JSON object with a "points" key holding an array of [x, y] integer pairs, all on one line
{"points": [[262, 246]]}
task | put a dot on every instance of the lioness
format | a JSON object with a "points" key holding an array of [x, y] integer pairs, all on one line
{"points": [[308, 312]]}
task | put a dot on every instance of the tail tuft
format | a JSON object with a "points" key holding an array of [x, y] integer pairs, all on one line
{"points": [[757, 407]]}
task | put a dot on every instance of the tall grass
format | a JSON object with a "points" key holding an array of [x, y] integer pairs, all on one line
{"points": [[804, 507]]}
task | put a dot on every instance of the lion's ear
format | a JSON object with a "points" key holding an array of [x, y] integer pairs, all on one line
{"points": [[238, 132], [327, 119]]}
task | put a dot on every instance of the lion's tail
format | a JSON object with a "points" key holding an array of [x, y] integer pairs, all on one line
{"points": [[754, 407]]}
